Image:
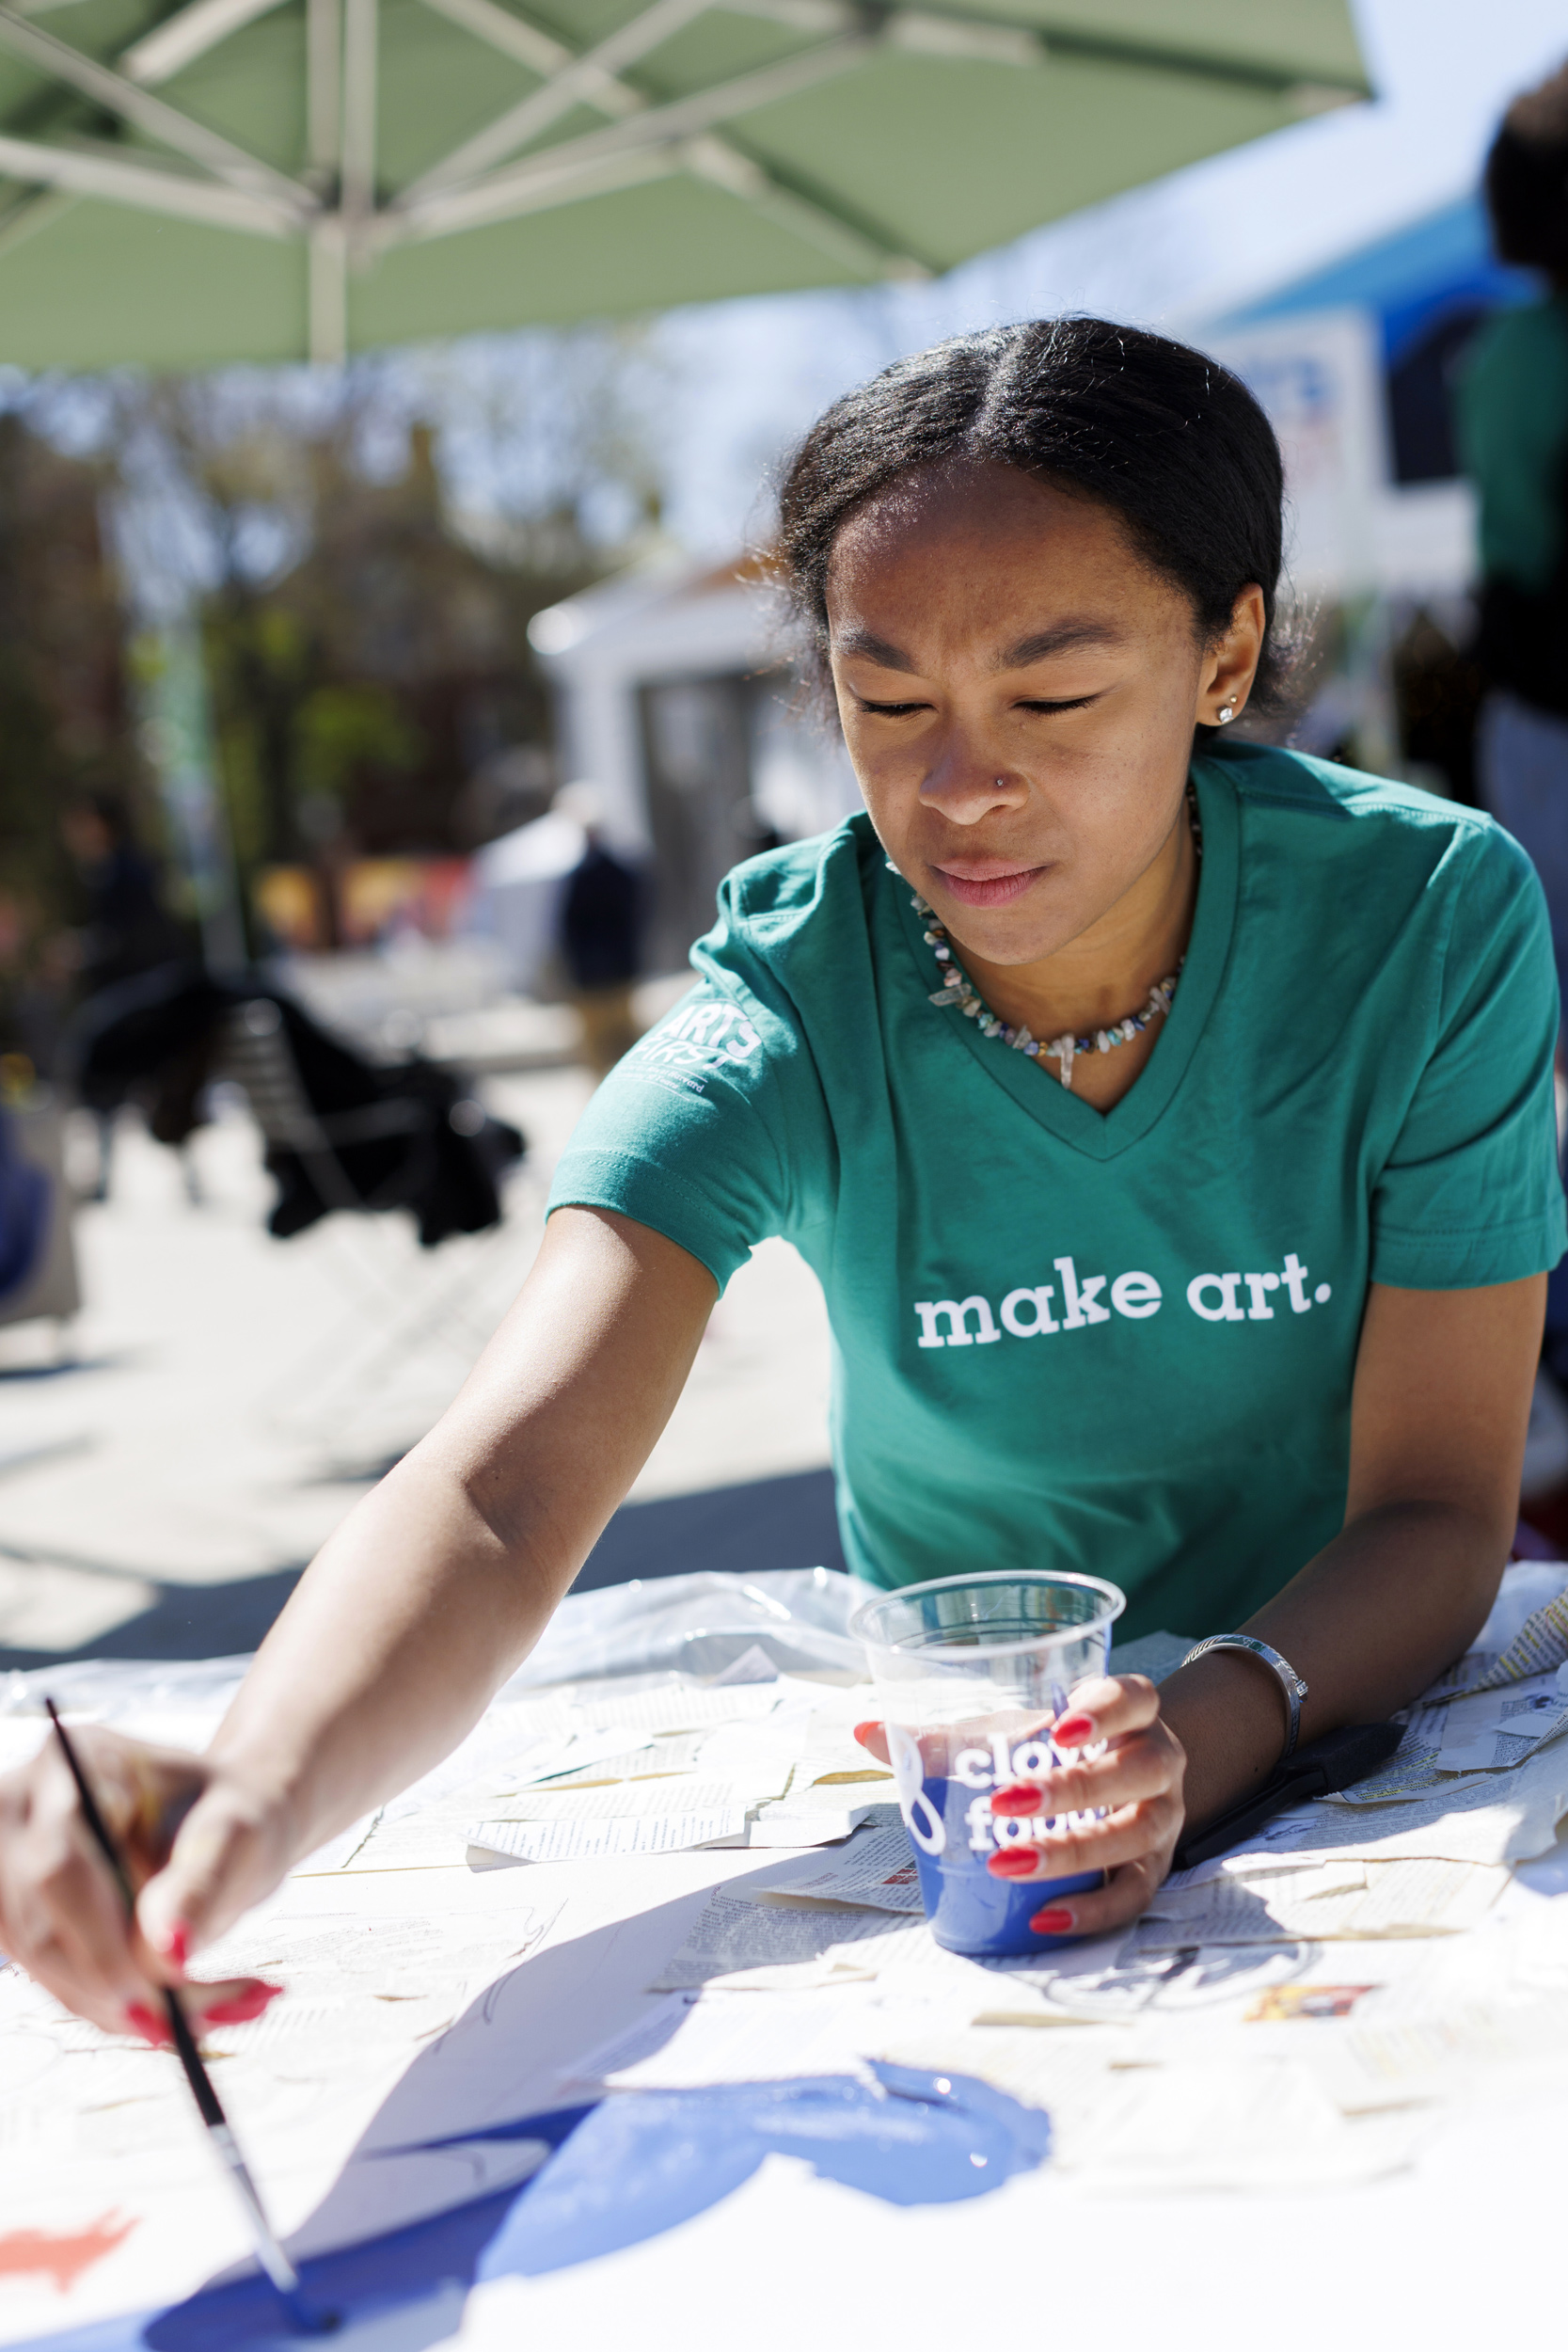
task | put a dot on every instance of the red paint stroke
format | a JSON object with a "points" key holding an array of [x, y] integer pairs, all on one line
{"points": [[24, 2253]]}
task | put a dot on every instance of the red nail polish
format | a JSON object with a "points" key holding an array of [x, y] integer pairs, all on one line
{"points": [[1073, 1730], [1013, 1862], [243, 2008], [148, 2023], [176, 1943], [1051, 1922], [1016, 1801], [864, 1731]]}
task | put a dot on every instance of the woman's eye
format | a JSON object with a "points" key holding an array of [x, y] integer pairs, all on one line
{"points": [[890, 710], [1079, 702]]}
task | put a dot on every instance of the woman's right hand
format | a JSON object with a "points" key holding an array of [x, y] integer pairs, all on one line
{"points": [[199, 1848]]}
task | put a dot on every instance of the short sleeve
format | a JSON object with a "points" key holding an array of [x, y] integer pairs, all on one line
{"points": [[705, 1130], [1470, 1193]]}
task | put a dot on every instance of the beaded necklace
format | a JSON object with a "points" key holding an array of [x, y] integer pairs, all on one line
{"points": [[959, 989]]}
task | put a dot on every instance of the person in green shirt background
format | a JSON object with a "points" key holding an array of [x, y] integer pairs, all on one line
{"points": [[1511, 425], [1511, 422], [1168, 1119]]}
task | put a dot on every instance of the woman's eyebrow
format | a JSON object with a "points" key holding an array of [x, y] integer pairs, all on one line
{"points": [[860, 645], [1065, 637]]}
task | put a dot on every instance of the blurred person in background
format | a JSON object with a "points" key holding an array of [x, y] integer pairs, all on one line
{"points": [[601, 918], [128, 930], [1513, 430]]}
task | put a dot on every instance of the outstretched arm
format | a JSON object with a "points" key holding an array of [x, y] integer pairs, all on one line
{"points": [[426, 1598]]}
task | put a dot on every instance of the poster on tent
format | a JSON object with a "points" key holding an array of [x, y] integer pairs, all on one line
{"points": [[1319, 377]]}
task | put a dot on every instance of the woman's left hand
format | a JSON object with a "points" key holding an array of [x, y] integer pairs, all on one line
{"points": [[1136, 1783]]}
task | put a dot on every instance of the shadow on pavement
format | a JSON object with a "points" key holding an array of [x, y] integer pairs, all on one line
{"points": [[186, 1621], [771, 1523]]}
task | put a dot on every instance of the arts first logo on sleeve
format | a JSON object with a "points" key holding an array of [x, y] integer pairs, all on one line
{"points": [[705, 1034], [1030, 1310]]}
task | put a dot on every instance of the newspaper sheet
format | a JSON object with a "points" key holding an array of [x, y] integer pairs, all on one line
{"points": [[761, 1945], [603, 1841], [1343, 1899], [876, 1869], [1491, 1818]]}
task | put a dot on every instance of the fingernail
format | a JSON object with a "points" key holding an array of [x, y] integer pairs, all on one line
{"points": [[1073, 1730], [1012, 1864], [243, 2006], [1019, 1799], [175, 1943], [1051, 1922], [863, 1731], [148, 2023]]}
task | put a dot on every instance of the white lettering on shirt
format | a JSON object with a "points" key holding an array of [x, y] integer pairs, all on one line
{"points": [[959, 1332], [1227, 1285], [701, 1037], [1296, 1282], [1136, 1296], [1040, 1299], [1080, 1298], [1025, 1312]]}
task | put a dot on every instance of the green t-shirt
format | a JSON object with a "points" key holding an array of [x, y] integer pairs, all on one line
{"points": [[1511, 415], [1120, 1342]]}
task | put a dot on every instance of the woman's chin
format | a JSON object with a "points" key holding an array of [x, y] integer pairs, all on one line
{"points": [[1022, 933]]}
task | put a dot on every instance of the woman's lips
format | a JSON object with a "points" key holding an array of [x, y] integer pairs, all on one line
{"points": [[990, 890]]}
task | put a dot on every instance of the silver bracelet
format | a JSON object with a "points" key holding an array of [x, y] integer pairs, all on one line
{"points": [[1290, 1681]]}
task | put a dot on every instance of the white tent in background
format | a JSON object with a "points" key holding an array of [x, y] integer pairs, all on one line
{"points": [[519, 882]]}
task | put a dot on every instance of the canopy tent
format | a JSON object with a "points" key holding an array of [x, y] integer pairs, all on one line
{"points": [[1426, 287], [281, 179]]}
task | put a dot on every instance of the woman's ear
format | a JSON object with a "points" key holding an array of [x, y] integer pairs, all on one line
{"points": [[1230, 665]]}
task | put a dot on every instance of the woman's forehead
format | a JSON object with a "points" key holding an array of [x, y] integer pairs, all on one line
{"points": [[989, 549], [984, 517]]}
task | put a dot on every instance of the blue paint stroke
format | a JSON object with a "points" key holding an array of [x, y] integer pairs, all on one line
{"points": [[623, 2170]]}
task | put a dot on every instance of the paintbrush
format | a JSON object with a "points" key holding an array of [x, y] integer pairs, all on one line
{"points": [[273, 2260]]}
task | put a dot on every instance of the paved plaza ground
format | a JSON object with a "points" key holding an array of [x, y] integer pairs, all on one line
{"points": [[228, 1397]]}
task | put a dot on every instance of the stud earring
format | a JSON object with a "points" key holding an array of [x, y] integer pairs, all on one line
{"points": [[1226, 713]]}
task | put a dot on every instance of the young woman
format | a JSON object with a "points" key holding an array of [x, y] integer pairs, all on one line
{"points": [[1169, 1121]]}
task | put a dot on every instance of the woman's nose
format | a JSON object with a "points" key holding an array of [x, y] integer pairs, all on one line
{"points": [[964, 785]]}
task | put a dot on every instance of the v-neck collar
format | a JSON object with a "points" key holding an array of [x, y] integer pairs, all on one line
{"points": [[1101, 1134]]}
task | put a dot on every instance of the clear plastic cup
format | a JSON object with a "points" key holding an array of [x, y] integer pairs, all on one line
{"points": [[971, 1674]]}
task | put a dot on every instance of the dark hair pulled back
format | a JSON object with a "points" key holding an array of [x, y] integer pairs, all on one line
{"points": [[1526, 180], [1168, 439]]}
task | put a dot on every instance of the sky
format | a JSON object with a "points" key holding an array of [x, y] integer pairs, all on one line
{"points": [[747, 378]]}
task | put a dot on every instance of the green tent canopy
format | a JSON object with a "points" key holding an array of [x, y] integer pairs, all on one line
{"points": [[277, 180]]}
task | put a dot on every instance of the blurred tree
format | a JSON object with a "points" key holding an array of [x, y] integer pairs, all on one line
{"points": [[365, 606], [365, 548], [65, 711]]}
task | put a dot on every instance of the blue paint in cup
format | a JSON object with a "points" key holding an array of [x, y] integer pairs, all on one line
{"points": [[971, 1672], [970, 1910]]}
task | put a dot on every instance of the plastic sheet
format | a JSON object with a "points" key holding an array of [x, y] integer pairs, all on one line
{"points": [[699, 1625], [703, 1625]]}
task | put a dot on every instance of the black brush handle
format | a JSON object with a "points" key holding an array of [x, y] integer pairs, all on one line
{"points": [[273, 2260], [185, 2040]]}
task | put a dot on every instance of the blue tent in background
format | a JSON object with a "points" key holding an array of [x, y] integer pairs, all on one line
{"points": [[1429, 287]]}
